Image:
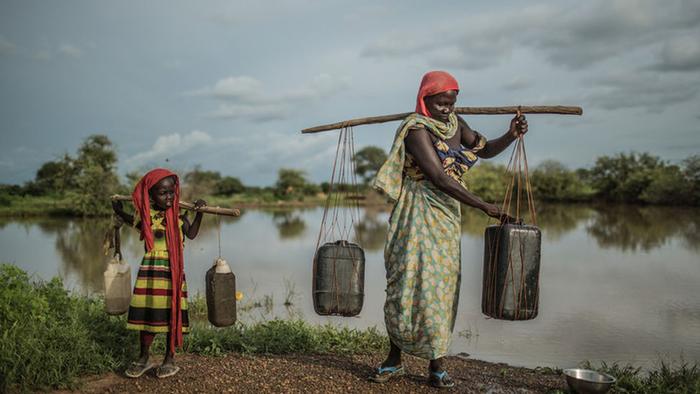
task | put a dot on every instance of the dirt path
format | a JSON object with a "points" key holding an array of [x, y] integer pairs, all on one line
{"points": [[237, 373]]}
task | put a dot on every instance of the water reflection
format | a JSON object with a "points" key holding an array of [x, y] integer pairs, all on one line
{"points": [[631, 229], [555, 220], [372, 229], [290, 224], [640, 228]]}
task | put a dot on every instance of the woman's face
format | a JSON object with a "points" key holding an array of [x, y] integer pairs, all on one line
{"points": [[441, 105], [163, 193]]}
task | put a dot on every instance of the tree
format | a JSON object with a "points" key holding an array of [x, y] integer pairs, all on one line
{"points": [[624, 177], [691, 172], [200, 182], [229, 185], [289, 182], [551, 180], [96, 178], [97, 150], [368, 161]]}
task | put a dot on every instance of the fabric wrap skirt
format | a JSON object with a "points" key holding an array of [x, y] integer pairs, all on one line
{"points": [[423, 270]]}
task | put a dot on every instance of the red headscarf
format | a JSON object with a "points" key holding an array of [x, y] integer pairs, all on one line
{"points": [[142, 204], [434, 82]]}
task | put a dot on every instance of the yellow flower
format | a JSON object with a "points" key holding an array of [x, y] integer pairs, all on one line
{"points": [[239, 296]]}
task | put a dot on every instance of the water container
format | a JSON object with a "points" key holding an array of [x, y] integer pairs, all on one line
{"points": [[339, 279], [221, 294], [117, 287], [511, 272]]}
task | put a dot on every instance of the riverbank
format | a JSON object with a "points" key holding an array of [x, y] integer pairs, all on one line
{"points": [[53, 339], [319, 373], [62, 206]]}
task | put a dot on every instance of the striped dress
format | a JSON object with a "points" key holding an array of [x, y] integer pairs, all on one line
{"points": [[149, 309]]}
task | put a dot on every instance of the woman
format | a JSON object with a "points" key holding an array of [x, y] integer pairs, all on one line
{"points": [[432, 149]]}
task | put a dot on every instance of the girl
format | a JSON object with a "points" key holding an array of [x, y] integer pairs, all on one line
{"points": [[159, 303]]}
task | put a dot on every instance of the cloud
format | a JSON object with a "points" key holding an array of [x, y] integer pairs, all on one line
{"points": [[246, 97], [517, 83], [167, 146], [42, 55], [6, 47], [264, 112], [70, 51], [680, 54], [572, 37], [652, 91]]}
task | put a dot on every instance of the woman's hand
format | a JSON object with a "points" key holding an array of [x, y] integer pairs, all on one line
{"points": [[518, 126], [199, 203], [495, 212]]}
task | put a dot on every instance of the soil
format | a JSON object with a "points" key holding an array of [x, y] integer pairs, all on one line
{"points": [[236, 373]]}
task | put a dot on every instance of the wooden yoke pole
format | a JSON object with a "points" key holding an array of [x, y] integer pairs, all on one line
{"points": [[536, 109], [190, 206]]}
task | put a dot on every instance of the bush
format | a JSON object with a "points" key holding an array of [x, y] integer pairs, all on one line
{"points": [[50, 337]]}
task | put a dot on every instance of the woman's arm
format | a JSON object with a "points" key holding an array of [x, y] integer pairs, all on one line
{"points": [[191, 230], [420, 146], [518, 126]]}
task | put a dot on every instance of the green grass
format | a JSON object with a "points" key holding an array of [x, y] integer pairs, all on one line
{"points": [[36, 206], [669, 377], [50, 337]]}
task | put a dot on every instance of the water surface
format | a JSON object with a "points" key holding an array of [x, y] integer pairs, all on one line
{"points": [[616, 283]]}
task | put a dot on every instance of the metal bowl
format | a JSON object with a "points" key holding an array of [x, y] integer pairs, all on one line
{"points": [[585, 381]]}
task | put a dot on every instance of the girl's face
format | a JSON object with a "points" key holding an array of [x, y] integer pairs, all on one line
{"points": [[163, 193], [441, 105]]}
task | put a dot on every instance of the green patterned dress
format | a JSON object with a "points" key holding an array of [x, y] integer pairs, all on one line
{"points": [[422, 252]]}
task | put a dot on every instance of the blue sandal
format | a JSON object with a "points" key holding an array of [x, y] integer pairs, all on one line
{"points": [[441, 380], [384, 374]]}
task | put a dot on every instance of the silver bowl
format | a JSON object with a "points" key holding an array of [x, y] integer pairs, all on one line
{"points": [[585, 381]]}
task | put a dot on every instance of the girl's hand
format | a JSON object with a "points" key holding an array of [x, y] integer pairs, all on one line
{"points": [[518, 126], [117, 206]]}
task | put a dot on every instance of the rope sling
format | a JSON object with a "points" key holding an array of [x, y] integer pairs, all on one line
{"points": [[512, 250], [339, 263]]}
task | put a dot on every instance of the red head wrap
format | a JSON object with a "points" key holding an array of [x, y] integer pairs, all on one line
{"points": [[434, 82], [142, 204]]}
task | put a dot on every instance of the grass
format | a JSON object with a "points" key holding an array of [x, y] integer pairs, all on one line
{"points": [[49, 338], [36, 206], [670, 378]]}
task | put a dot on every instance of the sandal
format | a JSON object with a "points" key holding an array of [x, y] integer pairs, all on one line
{"points": [[441, 380], [168, 370], [384, 374], [137, 369]]}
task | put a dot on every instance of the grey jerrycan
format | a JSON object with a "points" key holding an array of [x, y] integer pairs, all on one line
{"points": [[339, 279], [221, 294], [510, 289]]}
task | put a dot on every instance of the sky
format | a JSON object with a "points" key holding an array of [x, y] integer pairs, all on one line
{"points": [[228, 85]]}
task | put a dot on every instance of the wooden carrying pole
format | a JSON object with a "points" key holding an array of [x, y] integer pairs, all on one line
{"points": [[537, 109], [190, 206]]}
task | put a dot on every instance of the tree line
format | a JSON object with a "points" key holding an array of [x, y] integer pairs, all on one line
{"points": [[88, 178]]}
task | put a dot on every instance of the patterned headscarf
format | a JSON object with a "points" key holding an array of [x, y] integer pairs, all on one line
{"points": [[142, 204]]}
